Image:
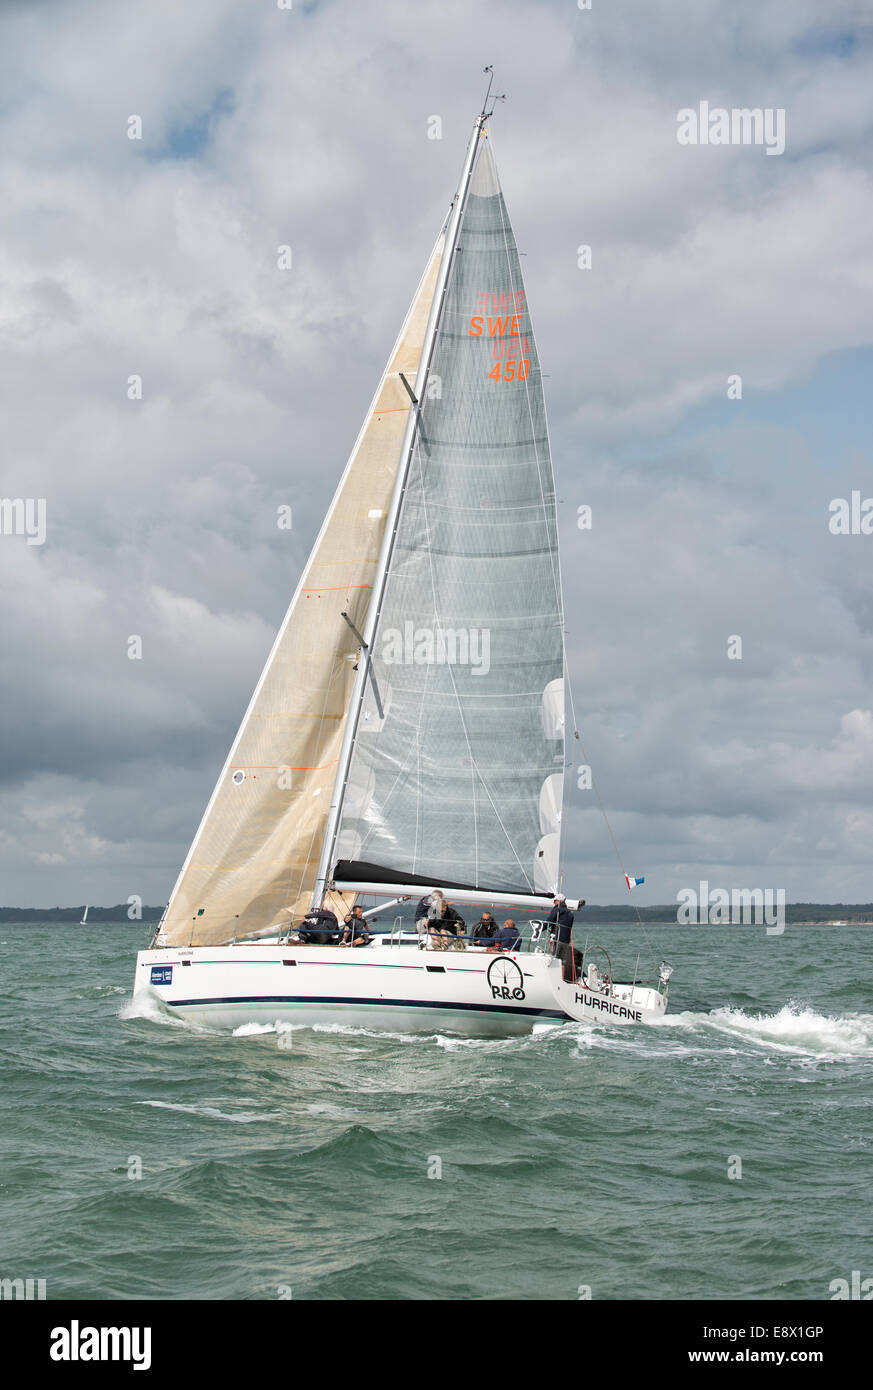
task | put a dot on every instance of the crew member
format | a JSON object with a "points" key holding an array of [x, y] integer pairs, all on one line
{"points": [[486, 927], [507, 938], [561, 919], [355, 931], [320, 927], [445, 926]]}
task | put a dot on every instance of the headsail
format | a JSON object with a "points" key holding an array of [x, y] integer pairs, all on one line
{"points": [[456, 774], [256, 852]]}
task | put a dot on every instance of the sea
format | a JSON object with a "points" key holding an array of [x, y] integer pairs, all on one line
{"points": [[721, 1154]]}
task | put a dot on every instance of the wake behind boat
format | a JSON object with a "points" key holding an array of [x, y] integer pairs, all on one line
{"points": [[407, 733]]}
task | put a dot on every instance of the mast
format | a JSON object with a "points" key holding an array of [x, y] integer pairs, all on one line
{"points": [[390, 535]]}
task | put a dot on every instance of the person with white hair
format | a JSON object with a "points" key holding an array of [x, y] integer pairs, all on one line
{"points": [[435, 918], [429, 907], [445, 925]]}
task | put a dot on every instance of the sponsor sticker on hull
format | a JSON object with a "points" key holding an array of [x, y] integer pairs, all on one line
{"points": [[162, 974]]}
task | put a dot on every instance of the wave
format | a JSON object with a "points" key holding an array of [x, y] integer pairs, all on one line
{"points": [[796, 1028], [447, 1042], [211, 1112], [149, 1006], [254, 1030]]}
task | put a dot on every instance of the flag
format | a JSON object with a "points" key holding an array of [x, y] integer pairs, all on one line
{"points": [[633, 882]]}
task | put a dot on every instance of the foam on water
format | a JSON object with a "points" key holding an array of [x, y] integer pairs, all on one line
{"points": [[349, 1030], [149, 1006], [796, 1028], [251, 1030], [211, 1112]]}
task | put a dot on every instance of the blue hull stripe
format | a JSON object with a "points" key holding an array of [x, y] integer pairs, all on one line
{"points": [[390, 1003]]}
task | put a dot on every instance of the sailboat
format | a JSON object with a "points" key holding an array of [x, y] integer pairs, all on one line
{"points": [[407, 732], [84, 921]]}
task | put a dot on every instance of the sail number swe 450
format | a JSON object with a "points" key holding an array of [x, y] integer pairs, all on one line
{"points": [[508, 367]]}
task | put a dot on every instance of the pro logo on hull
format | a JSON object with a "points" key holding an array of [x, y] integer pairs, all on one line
{"points": [[505, 979]]}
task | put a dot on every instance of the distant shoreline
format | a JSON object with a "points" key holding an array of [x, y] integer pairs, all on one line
{"points": [[796, 914], [73, 915]]}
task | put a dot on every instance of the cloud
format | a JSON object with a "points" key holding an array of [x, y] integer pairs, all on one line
{"points": [[308, 127]]}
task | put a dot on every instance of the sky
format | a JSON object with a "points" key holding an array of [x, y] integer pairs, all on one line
{"points": [[308, 127]]}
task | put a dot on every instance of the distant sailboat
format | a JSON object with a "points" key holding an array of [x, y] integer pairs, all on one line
{"points": [[407, 732], [84, 921]]}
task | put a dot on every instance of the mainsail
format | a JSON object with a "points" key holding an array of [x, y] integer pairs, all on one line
{"points": [[256, 853], [456, 771]]}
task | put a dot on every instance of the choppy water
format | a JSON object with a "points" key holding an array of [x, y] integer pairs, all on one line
{"points": [[581, 1155]]}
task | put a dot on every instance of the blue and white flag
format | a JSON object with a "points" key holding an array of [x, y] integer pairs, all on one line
{"points": [[633, 882]]}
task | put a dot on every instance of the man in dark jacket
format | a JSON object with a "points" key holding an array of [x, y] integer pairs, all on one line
{"points": [[507, 938], [561, 919], [355, 930], [428, 908], [319, 928], [445, 927], [485, 927]]}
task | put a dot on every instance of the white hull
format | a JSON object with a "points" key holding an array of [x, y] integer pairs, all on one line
{"points": [[386, 985]]}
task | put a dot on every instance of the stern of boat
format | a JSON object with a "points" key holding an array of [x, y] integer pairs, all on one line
{"points": [[591, 999]]}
